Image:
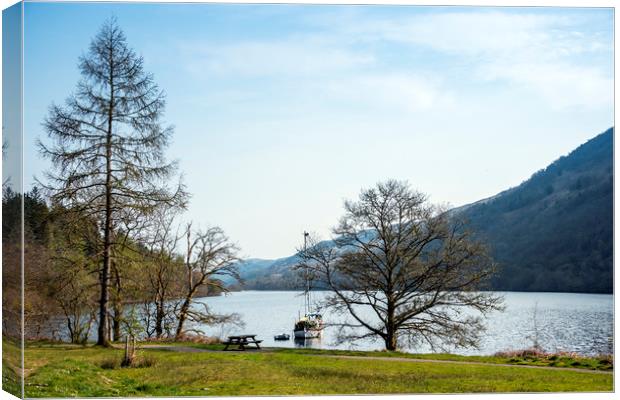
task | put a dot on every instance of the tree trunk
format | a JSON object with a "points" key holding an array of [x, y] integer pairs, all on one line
{"points": [[116, 322], [103, 338], [117, 305], [190, 287], [391, 340], [183, 316], [391, 343], [71, 331], [159, 318], [188, 301], [185, 307]]}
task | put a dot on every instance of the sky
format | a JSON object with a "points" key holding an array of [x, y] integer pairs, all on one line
{"points": [[11, 90], [282, 112]]}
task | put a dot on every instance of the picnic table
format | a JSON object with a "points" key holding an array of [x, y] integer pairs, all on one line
{"points": [[242, 341]]}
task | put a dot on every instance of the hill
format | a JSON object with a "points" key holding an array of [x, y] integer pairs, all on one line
{"points": [[553, 232]]}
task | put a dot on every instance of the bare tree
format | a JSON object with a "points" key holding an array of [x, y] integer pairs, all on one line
{"points": [[128, 258], [403, 270], [107, 146], [209, 255], [163, 275], [69, 273]]}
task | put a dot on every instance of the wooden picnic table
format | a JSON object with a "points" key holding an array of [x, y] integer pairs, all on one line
{"points": [[242, 341]]}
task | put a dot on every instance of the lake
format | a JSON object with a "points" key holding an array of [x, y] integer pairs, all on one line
{"points": [[573, 322]]}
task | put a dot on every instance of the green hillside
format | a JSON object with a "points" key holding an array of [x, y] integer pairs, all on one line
{"points": [[554, 232]]}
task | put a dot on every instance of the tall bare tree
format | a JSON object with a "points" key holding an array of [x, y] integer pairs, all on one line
{"points": [[403, 270], [163, 272], [209, 255], [108, 145]]}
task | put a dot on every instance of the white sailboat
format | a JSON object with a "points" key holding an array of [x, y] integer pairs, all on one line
{"points": [[311, 325]]}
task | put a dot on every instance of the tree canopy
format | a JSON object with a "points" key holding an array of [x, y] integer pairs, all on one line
{"points": [[403, 271]]}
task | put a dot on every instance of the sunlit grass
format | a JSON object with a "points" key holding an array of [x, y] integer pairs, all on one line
{"points": [[11, 367], [70, 371]]}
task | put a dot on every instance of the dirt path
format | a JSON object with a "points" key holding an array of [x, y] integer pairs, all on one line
{"points": [[188, 349]]}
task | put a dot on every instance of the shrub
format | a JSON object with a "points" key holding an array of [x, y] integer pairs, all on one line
{"points": [[188, 338], [111, 363], [198, 338], [559, 359], [522, 353], [144, 362]]}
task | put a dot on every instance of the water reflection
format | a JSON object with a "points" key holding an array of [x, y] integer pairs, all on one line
{"points": [[314, 343], [559, 321]]}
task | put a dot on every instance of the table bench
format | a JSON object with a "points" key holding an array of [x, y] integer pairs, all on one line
{"points": [[242, 342]]}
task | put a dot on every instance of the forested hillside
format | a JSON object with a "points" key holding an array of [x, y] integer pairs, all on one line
{"points": [[554, 232]]}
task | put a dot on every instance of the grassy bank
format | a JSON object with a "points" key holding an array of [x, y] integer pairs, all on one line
{"points": [[11, 366], [524, 357], [65, 371]]}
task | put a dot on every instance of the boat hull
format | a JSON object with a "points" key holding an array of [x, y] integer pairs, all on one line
{"points": [[308, 334]]}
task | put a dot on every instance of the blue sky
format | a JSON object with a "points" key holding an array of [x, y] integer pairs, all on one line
{"points": [[283, 111], [11, 89]]}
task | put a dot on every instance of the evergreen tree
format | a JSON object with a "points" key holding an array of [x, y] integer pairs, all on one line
{"points": [[107, 148]]}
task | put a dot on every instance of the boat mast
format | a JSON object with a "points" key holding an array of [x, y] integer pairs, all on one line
{"points": [[306, 234]]}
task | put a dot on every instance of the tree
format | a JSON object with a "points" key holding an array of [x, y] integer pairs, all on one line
{"points": [[403, 270], [209, 254], [163, 272], [127, 258], [68, 278], [108, 146]]}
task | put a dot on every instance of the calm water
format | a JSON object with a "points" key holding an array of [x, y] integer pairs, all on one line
{"points": [[565, 321]]}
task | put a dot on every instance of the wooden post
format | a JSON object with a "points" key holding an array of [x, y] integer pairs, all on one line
{"points": [[129, 352], [126, 358]]}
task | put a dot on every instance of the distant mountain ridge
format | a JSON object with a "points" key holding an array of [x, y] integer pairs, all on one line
{"points": [[553, 232]]}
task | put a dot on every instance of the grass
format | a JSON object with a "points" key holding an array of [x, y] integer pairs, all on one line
{"points": [[11, 366], [523, 357], [562, 360], [74, 371]]}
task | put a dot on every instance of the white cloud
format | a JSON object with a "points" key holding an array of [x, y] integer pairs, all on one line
{"points": [[323, 66], [561, 85], [398, 91], [481, 33], [478, 33], [545, 54], [287, 57]]}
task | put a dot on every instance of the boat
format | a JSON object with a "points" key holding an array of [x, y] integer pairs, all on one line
{"points": [[282, 336], [311, 325]]}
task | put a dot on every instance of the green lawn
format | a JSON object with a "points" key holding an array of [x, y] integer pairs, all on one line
{"points": [[550, 360], [72, 371], [11, 365]]}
